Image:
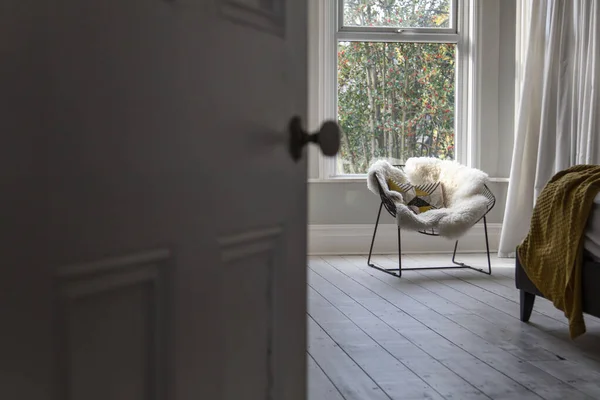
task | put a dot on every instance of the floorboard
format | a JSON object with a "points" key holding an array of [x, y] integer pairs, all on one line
{"points": [[438, 334], [319, 384], [351, 381]]}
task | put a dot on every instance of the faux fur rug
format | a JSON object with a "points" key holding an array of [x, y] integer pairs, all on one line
{"points": [[462, 187]]}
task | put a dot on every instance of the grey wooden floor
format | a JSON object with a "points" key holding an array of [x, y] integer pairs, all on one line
{"points": [[439, 335]]}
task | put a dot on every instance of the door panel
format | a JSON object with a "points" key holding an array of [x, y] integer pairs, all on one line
{"points": [[111, 310], [249, 298]]}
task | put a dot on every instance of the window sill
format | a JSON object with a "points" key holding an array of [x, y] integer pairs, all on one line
{"points": [[363, 179], [340, 179]]}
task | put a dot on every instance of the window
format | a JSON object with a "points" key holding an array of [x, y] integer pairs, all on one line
{"points": [[399, 81]]}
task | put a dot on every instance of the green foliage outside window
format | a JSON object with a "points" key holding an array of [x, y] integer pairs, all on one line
{"points": [[395, 100], [398, 13]]}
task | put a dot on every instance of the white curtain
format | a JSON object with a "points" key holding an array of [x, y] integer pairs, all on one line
{"points": [[557, 122]]}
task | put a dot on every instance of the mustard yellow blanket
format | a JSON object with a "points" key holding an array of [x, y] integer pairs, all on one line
{"points": [[551, 254]]}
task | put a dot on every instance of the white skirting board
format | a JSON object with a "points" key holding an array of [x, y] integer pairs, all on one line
{"points": [[356, 239]]}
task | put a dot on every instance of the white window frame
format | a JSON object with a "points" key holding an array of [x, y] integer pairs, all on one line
{"points": [[323, 49]]}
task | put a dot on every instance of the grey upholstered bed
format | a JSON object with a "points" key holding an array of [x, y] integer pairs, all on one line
{"points": [[590, 282]]}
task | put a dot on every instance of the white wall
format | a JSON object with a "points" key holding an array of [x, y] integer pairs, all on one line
{"points": [[506, 87], [350, 203]]}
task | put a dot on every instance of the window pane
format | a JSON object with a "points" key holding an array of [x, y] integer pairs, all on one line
{"points": [[398, 13], [395, 101]]}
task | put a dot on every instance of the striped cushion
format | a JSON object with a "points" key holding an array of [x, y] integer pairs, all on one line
{"points": [[419, 198]]}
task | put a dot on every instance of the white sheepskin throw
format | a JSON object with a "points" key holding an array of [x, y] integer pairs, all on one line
{"points": [[462, 187]]}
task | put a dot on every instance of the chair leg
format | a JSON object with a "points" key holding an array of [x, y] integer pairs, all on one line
{"points": [[487, 246], [374, 234], [454, 255], [392, 271], [399, 252], [487, 249], [527, 300]]}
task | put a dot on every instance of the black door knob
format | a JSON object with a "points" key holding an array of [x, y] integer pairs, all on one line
{"points": [[328, 138]]}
